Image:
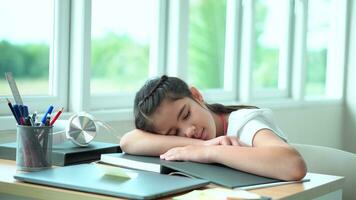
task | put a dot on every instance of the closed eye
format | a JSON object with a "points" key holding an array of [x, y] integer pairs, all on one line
{"points": [[173, 132], [186, 116]]}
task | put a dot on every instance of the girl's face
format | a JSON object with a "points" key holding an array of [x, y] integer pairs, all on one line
{"points": [[186, 118]]}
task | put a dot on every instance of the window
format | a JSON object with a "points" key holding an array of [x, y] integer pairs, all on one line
{"points": [[25, 42], [34, 47], [93, 55], [120, 45], [271, 26], [206, 43], [319, 34]]}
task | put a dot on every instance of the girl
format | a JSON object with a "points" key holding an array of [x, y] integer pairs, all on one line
{"points": [[173, 121]]}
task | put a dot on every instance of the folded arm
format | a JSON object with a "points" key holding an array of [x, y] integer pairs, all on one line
{"points": [[144, 143], [274, 161], [270, 156]]}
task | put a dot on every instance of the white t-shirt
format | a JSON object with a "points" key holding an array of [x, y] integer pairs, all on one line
{"points": [[245, 123]]}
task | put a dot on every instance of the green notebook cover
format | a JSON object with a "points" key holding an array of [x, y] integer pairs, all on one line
{"points": [[67, 153], [218, 174], [89, 178]]}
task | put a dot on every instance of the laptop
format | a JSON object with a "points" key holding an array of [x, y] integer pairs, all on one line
{"points": [[89, 178]]}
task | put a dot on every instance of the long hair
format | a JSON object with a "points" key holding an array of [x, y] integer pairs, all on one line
{"points": [[155, 91]]}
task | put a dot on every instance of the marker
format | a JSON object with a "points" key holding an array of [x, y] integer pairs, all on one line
{"points": [[25, 111], [49, 111], [34, 118], [48, 119], [21, 110], [28, 121], [18, 114]]}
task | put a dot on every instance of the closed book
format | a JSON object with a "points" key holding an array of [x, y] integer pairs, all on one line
{"points": [[145, 163], [142, 163], [215, 173], [67, 153]]}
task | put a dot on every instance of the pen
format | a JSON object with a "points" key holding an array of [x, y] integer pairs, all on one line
{"points": [[56, 116], [49, 111], [21, 110], [48, 119], [18, 114], [12, 110], [25, 111], [34, 118], [28, 121]]}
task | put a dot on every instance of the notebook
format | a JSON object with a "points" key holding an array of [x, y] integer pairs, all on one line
{"points": [[88, 178], [218, 174], [67, 153]]}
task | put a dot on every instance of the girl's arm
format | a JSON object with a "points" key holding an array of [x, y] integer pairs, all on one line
{"points": [[281, 162], [269, 156], [144, 143]]}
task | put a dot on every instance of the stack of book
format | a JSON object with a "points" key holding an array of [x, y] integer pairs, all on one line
{"points": [[67, 153]]}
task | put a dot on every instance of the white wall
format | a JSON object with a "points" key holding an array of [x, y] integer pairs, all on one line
{"points": [[312, 124]]}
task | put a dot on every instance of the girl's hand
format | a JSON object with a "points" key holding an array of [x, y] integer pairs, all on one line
{"points": [[196, 153], [223, 140]]}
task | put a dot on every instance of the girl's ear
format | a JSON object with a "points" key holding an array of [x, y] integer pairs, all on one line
{"points": [[196, 94]]}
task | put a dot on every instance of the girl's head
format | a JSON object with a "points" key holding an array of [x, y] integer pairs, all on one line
{"points": [[168, 106]]}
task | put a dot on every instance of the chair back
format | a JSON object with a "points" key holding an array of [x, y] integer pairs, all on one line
{"points": [[326, 160]]}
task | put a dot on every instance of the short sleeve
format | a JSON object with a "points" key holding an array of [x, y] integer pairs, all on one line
{"points": [[252, 122], [247, 132]]}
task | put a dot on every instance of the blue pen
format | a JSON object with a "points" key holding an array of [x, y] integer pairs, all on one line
{"points": [[49, 111], [21, 110], [25, 111]]}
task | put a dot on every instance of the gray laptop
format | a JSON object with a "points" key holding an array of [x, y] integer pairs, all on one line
{"points": [[88, 178]]}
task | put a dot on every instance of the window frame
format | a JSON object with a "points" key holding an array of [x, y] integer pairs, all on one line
{"points": [[334, 80], [285, 58], [177, 47], [335, 75], [58, 70], [70, 59], [156, 62], [57, 65]]}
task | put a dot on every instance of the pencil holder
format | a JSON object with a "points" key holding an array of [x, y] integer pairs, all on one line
{"points": [[34, 147]]}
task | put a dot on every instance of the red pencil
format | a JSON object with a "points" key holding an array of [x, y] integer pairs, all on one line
{"points": [[56, 116]]}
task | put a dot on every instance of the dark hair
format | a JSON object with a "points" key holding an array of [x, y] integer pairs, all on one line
{"points": [[154, 91]]}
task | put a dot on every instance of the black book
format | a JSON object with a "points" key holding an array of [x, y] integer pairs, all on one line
{"points": [[216, 173], [67, 153]]}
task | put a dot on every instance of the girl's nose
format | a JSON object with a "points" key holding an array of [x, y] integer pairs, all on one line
{"points": [[190, 131]]}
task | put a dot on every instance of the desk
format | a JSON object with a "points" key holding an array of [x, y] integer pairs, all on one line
{"points": [[320, 186]]}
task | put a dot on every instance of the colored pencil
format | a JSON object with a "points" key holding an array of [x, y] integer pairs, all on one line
{"points": [[56, 116]]}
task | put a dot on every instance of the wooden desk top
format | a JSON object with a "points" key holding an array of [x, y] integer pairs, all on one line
{"points": [[318, 185]]}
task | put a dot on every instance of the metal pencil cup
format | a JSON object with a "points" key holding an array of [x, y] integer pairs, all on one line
{"points": [[34, 147]]}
